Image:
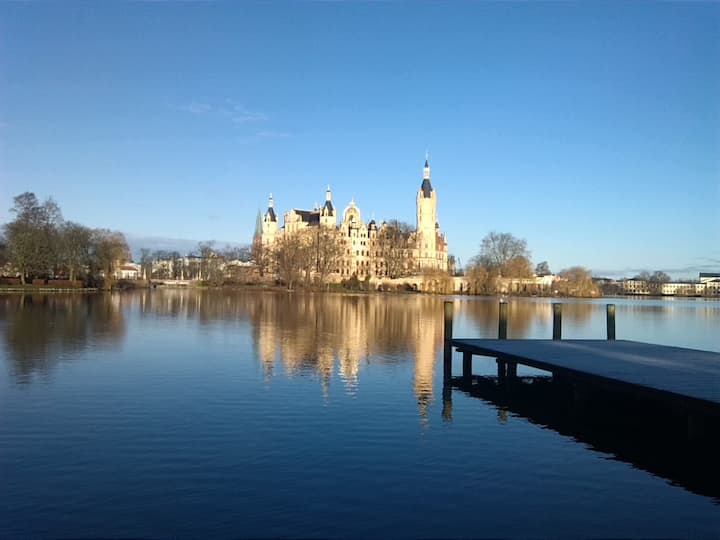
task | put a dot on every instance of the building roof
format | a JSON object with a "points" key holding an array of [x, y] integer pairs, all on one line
{"points": [[329, 206], [308, 216], [271, 212], [426, 188]]}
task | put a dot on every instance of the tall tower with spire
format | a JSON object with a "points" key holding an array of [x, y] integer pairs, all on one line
{"points": [[328, 216], [426, 237], [269, 224]]}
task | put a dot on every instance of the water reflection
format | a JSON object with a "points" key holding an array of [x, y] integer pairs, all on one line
{"points": [[41, 330], [310, 333], [324, 335], [302, 334], [526, 317]]}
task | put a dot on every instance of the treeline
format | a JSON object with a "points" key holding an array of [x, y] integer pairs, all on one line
{"points": [[504, 257], [40, 244], [206, 263]]}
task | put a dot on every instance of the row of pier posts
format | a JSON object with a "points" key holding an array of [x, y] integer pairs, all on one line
{"points": [[506, 369], [697, 424]]}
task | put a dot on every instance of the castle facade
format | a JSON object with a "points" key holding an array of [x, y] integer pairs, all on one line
{"points": [[366, 250]]}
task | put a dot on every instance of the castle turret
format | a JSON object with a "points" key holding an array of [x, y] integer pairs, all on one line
{"points": [[426, 220], [270, 223], [328, 216]]}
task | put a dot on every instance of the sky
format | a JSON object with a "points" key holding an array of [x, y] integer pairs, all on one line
{"points": [[591, 130]]}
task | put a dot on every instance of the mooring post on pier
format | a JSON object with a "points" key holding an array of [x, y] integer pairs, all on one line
{"points": [[505, 369], [557, 321], [611, 322], [502, 320], [467, 366], [447, 335], [501, 369]]}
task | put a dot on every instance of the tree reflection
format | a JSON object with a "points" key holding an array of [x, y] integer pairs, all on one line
{"points": [[43, 329]]}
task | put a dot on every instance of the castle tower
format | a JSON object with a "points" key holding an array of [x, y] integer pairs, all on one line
{"points": [[269, 224], [426, 238], [328, 216]]}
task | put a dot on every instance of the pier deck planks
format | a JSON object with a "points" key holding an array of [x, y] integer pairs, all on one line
{"points": [[690, 375]]}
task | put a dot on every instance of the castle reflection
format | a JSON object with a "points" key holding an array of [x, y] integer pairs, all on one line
{"points": [[321, 334], [325, 334]]}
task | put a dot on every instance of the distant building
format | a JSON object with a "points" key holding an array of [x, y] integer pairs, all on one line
{"points": [[709, 277], [708, 285], [127, 270], [361, 254]]}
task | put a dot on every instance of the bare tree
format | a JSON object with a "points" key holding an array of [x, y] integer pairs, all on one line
{"points": [[211, 264], [32, 237], [654, 281], [393, 246], [75, 248], [237, 253], [291, 254], [517, 267], [577, 281], [146, 261], [326, 249], [482, 280], [108, 249], [177, 265], [497, 249], [542, 269]]}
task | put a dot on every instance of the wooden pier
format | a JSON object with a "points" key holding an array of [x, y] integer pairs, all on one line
{"points": [[687, 380]]}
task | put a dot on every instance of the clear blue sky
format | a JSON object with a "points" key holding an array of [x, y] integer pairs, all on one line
{"points": [[590, 130]]}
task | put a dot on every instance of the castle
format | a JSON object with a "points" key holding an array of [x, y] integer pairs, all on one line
{"points": [[367, 250]]}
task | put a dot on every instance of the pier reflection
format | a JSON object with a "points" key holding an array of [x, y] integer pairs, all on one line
{"points": [[645, 435]]}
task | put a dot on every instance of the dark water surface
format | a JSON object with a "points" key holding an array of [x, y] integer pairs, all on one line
{"points": [[249, 414]]}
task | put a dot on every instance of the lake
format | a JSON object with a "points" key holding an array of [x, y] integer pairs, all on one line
{"points": [[184, 413]]}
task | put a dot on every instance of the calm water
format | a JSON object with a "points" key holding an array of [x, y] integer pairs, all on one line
{"points": [[183, 413]]}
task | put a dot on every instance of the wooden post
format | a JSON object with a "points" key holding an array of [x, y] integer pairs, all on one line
{"points": [[502, 320], [467, 366], [501, 370], [611, 321], [557, 321], [447, 335]]}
